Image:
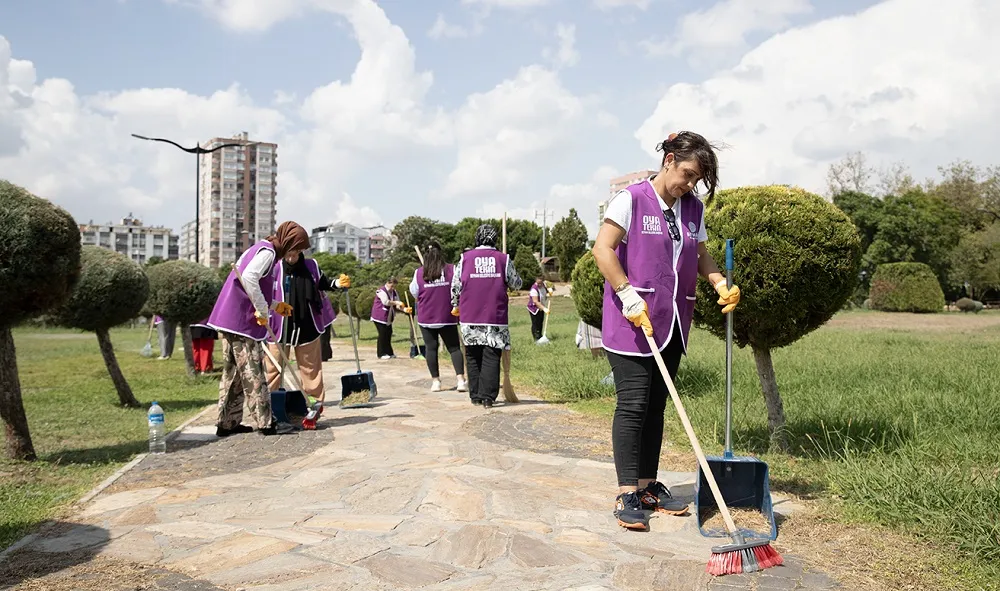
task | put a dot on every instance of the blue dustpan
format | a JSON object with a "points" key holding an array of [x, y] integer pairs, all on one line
{"points": [[743, 480]]}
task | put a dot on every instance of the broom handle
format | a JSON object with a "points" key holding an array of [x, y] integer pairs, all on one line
{"points": [[729, 354], [151, 325], [350, 320], [270, 333], [694, 439], [416, 332]]}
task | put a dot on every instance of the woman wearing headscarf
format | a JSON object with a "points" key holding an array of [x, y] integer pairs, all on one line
{"points": [[431, 286], [384, 307], [241, 316], [479, 299], [302, 285]]}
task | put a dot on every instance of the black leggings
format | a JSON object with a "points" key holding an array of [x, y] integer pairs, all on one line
{"points": [[484, 372], [637, 430], [448, 334], [537, 320], [383, 346]]}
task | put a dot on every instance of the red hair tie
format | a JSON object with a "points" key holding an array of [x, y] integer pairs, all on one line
{"points": [[671, 137]]}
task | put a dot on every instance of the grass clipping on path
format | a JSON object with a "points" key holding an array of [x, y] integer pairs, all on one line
{"points": [[360, 397], [743, 517]]}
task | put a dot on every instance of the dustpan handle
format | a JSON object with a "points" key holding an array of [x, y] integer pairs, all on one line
{"points": [[350, 321], [728, 453]]}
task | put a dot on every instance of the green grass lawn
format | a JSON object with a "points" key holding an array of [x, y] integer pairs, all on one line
{"points": [[80, 434], [900, 424]]}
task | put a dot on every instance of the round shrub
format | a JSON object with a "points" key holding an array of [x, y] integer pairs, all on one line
{"points": [[362, 298], [797, 259], [969, 305], [183, 291], [112, 290], [39, 254], [906, 287], [588, 290], [526, 265]]}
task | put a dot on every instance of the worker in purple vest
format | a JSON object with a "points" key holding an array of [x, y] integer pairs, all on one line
{"points": [[241, 316], [651, 250], [431, 286], [536, 307], [383, 313], [302, 284], [479, 299]]}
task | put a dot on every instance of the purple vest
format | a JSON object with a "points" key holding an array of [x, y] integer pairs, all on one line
{"points": [[647, 259], [234, 312], [322, 312], [531, 303], [384, 314], [484, 287], [434, 299]]}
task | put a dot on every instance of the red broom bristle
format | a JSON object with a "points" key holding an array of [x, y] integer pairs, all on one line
{"points": [[731, 563]]}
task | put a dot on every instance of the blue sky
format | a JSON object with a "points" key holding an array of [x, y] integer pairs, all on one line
{"points": [[517, 103]]}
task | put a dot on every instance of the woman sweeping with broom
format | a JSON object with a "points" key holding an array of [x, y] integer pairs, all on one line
{"points": [[241, 316], [650, 250], [431, 285]]}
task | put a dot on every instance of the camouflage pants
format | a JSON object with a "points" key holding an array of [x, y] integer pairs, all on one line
{"points": [[243, 377]]}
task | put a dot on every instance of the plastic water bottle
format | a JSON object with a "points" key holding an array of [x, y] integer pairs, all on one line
{"points": [[157, 430]]}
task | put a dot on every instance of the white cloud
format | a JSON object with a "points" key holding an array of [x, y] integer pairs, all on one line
{"points": [[902, 80], [257, 15], [565, 55], [506, 3], [712, 34], [360, 215], [510, 130], [614, 4], [442, 29]]}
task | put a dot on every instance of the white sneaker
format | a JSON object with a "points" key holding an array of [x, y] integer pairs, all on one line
{"points": [[436, 386], [386, 357], [461, 385]]}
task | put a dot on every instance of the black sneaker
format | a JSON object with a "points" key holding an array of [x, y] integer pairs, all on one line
{"points": [[477, 401], [487, 403], [221, 432], [656, 497], [277, 429], [628, 510]]}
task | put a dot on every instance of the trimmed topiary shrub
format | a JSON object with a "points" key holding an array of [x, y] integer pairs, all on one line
{"points": [[906, 287], [111, 291], [797, 259], [526, 265], [969, 305], [39, 265], [185, 292], [588, 290]]}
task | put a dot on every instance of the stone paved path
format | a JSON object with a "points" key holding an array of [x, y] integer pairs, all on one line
{"points": [[421, 490]]}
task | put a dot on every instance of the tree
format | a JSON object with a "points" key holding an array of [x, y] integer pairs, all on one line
{"points": [[797, 261], [333, 265], [153, 261], [185, 292], [526, 265], [111, 291], [588, 290], [362, 298], [852, 173], [39, 265], [569, 243], [975, 262]]}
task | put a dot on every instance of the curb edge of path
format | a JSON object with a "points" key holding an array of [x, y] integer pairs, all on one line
{"points": [[86, 498]]}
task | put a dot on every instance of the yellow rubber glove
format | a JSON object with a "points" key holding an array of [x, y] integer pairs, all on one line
{"points": [[728, 296], [643, 322], [282, 309], [634, 309], [343, 282], [260, 318], [408, 310], [454, 311]]}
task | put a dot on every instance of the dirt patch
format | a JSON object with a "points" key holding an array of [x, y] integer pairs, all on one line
{"points": [[950, 321], [78, 571]]}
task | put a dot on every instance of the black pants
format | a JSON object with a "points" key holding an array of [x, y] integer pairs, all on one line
{"points": [[536, 324], [637, 430], [448, 334], [484, 372], [384, 345]]}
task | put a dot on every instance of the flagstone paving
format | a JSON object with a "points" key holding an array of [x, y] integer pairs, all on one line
{"points": [[419, 490]]}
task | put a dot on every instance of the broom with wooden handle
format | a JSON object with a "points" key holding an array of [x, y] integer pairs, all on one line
{"points": [[740, 556], [508, 388]]}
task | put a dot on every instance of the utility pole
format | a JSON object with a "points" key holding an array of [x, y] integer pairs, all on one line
{"points": [[545, 213]]}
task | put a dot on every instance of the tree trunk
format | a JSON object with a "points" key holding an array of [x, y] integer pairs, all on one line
{"points": [[125, 396], [188, 348], [19, 445], [772, 398]]}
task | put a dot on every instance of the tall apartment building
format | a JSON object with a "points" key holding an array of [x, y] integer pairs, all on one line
{"points": [[619, 183], [238, 187], [341, 238], [132, 239], [187, 241], [380, 242]]}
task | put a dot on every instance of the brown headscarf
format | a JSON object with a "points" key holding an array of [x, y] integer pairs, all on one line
{"points": [[289, 236]]}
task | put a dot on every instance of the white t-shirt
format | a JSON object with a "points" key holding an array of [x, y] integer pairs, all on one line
{"points": [[619, 211]]}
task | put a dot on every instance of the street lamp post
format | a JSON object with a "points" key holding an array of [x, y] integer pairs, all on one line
{"points": [[197, 151]]}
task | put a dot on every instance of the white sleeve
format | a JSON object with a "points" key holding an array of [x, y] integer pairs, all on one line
{"points": [[702, 231], [619, 211], [257, 268], [414, 288], [383, 297]]}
